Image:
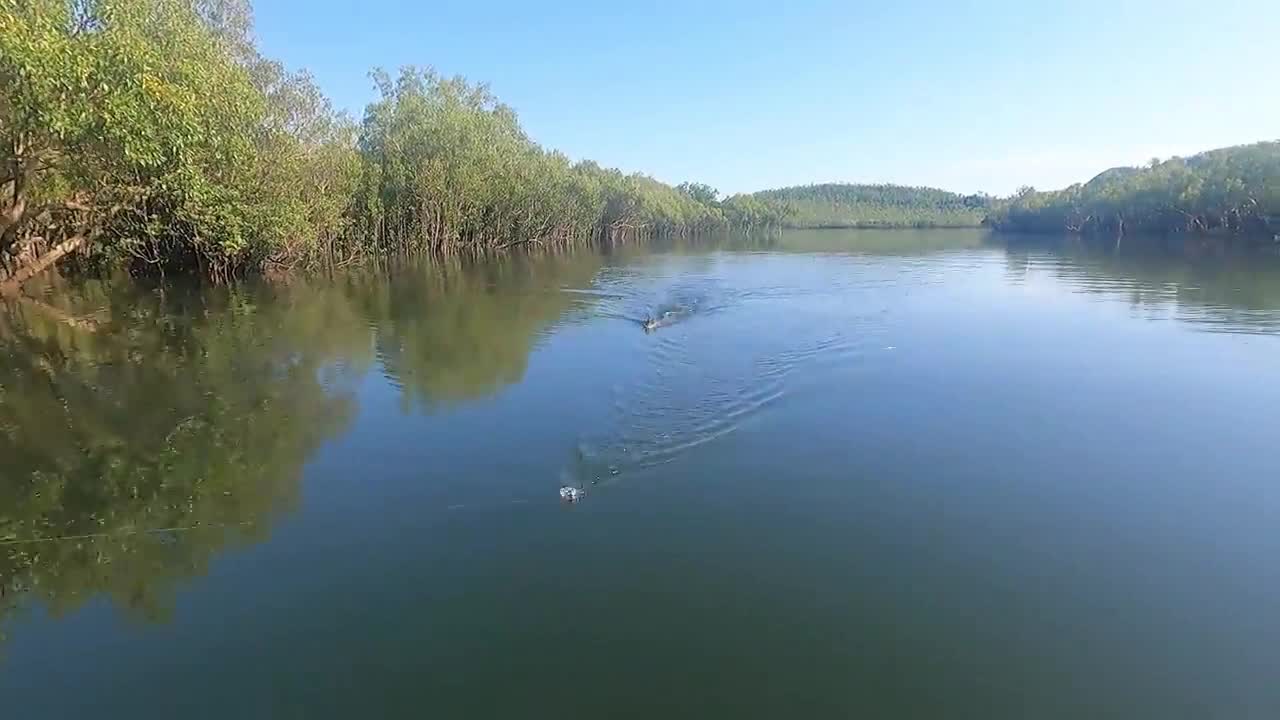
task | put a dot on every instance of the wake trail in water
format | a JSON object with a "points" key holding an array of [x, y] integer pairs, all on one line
{"points": [[696, 392], [723, 344], [666, 301]]}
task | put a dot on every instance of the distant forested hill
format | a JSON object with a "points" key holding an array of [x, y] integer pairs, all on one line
{"points": [[836, 205], [1231, 191]]}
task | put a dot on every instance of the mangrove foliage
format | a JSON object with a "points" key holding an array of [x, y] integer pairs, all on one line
{"points": [[1230, 191], [154, 132]]}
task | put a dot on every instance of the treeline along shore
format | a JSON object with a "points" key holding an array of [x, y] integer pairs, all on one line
{"points": [[1232, 191], [153, 133]]}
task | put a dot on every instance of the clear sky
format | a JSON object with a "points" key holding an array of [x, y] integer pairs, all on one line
{"points": [[747, 95]]}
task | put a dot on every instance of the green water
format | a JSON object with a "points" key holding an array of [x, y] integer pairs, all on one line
{"points": [[851, 474]]}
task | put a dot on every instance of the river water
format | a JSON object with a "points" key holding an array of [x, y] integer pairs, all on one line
{"points": [[849, 474]]}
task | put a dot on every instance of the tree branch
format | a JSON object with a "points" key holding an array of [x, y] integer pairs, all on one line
{"points": [[13, 283]]}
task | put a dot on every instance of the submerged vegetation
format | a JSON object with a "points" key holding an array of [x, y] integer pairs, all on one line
{"points": [[877, 206], [152, 131], [1231, 191]]}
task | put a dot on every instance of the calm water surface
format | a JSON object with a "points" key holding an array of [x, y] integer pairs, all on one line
{"points": [[849, 475]]}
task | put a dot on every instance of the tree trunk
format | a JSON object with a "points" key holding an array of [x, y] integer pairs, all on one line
{"points": [[11, 284], [12, 215]]}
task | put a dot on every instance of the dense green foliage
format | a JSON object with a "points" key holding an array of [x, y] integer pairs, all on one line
{"points": [[1230, 191], [153, 130], [105, 127], [876, 206], [447, 167]]}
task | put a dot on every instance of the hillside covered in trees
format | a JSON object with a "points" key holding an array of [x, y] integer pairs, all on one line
{"points": [[1231, 191], [876, 206], [153, 132]]}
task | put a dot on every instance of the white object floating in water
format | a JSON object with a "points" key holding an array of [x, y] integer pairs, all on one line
{"points": [[890, 347], [572, 494]]}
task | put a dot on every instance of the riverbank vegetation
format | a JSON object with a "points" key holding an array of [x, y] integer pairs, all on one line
{"points": [[1231, 191], [837, 205], [153, 132]]}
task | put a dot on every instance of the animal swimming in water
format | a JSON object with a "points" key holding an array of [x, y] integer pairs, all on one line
{"points": [[653, 322]]}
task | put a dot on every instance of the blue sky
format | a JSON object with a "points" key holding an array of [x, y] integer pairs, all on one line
{"points": [[748, 95]]}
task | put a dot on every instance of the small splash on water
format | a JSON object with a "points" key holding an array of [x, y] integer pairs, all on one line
{"points": [[571, 494]]}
